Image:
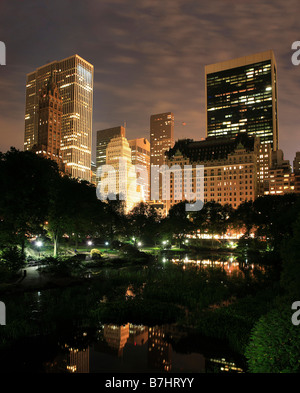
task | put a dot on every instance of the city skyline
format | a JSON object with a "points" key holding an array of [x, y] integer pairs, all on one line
{"points": [[158, 70]]}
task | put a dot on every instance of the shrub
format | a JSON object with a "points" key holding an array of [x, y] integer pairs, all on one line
{"points": [[13, 259], [96, 254], [274, 344]]}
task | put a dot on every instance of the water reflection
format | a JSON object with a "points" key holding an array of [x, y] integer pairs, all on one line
{"points": [[229, 263], [138, 348]]}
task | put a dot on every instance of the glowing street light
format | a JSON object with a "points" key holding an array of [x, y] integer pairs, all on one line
{"points": [[39, 243], [90, 243], [139, 244]]}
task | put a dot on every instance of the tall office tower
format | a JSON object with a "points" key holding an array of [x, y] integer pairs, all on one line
{"points": [[140, 156], [161, 140], [103, 139], [122, 180], [74, 79], [49, 123], [241, 96]]}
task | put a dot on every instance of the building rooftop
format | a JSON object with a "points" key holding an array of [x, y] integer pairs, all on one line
{"points": [[211, 148]]}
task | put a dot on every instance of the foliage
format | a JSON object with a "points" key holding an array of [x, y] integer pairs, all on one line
{"points": [[63, 267], [13, 259], [96, 254], [290, 277], [274, 345], [25, 183]]}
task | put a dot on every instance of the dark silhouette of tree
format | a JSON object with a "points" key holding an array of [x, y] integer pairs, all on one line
{"points": [[26, 181]]}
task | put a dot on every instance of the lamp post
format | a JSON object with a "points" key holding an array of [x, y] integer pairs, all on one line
{"points": [[39, 244]]}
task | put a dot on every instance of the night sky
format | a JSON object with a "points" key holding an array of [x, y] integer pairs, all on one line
{"points": [[149, 57]]}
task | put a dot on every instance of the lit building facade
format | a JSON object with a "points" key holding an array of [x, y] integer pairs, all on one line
{"points": [[120, 179], [49, 124], [140, 156], [159, 350], [281, 179], [116, 336], [103, 139], [230, 169], [241, 96], [161, 140], [264, 163], [74, 78]]}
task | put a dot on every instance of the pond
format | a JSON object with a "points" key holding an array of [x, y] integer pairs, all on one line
{"points": [[133, 319]]}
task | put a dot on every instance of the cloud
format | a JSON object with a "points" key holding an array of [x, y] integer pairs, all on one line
{"points": [[149, 55]]}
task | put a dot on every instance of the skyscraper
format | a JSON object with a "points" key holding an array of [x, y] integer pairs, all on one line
{"points": [[122, 180], [140, 156], [74, 79], [49, 123], [161, 136], [103, 139], [241, 96], [161, 140]]}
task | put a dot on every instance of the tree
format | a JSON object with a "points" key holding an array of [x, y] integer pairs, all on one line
{"points": [[243, 217], [13, 259], [178, 222], [213, 218], [143, 223], [290, 275], [274, 344], [25, 182], [73, 209], [274, 216]]}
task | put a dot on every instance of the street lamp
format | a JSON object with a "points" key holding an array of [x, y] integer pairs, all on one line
{"points": [[90, 243], [39, 244], [139, 244]]}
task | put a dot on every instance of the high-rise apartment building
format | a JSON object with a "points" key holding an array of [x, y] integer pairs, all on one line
{"points": [[161, 140], [103, 139], [74, 79], [241, 96], [140, 157]]}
